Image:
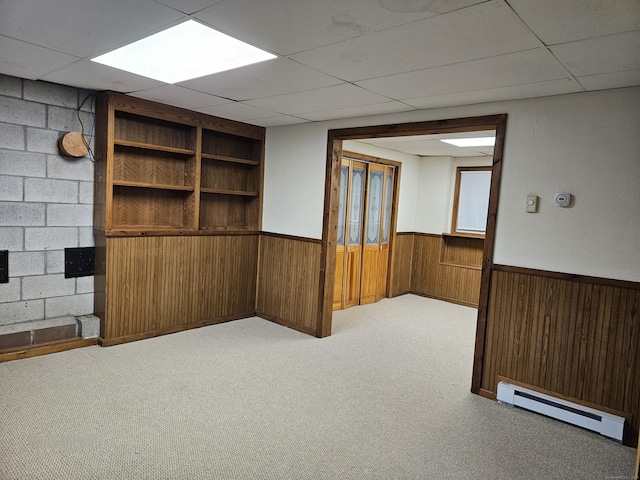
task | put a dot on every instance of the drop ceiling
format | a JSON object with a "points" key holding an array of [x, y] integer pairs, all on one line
{"points": [[339, 58], [432, 146]]}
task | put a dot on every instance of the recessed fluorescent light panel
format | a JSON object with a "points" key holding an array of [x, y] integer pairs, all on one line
{"points": [[472, 142], [188, 50]]}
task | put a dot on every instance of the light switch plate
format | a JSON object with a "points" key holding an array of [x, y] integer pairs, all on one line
{"points": [[532, 204]]}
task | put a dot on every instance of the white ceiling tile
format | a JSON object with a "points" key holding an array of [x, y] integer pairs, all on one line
{"points": [[95, 76], [530, 90], [238, 111], [435, 148], [610, 80], [327, 98], [265, 79], [481, 31], [189, 6], [289, 26], [614, 53], [25, 60], [513, 69], [431, 137], [279, 120], [569, 20], [180, 97], [430, 145], [83, 27], [360, 111]]}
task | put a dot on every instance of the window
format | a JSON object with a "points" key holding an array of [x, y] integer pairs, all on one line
{"points": [[471, 200]]}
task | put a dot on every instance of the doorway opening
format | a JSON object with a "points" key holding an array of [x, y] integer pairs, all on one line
{"points": [[366, 218], [331, 210]]}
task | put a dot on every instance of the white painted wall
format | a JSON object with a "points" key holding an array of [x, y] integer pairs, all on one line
{"points": [[434, 193], [586, 144], [436, 187]]}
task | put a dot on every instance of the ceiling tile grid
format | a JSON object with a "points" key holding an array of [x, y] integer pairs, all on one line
{"points": [[339, 58], [485, 30]]}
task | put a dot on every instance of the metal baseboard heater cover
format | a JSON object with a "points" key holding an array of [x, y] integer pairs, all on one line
{"points": [[604, 423]]}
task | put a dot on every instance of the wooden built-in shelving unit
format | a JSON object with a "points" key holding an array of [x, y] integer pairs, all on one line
{"points": [[164, 168], [165, 171]]}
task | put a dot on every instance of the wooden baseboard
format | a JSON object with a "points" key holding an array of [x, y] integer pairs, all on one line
{"points": [[399, 294], [487, 394], [108, 342], [285, 323], [45, 348], [445, 299]]}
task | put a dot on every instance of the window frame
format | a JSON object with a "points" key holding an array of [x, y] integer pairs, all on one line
{"points": [[456, 198]]}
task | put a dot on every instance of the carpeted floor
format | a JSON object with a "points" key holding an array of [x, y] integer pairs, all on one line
{"points": [[385, 397]]}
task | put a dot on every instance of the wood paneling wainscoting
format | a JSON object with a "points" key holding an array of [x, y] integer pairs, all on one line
{"points": [[163, 284], [447, 268], [401, 264], [288, 281], [572, 335]]}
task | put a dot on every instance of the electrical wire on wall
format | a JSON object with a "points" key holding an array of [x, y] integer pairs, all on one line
{"points": [[87, 138]]}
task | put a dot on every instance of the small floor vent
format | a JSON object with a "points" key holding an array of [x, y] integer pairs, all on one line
{"points": [[604, 423]]}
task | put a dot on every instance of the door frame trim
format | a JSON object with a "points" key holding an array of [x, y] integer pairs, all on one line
{"points": [[335, 138]]}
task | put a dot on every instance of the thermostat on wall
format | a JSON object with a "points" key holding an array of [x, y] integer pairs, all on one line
{"points": [[563, 199]]}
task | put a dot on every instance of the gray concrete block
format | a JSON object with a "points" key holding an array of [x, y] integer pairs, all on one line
{"points": [[85, 284], [88, 326], [10, 86], [70, 168], [46, 286], [76, 305], [23, 163], [22, 264], [50, 93], [55, 261], [11, 188], [66, 120], [15, 110], [85, 237], [17, 312], [86, 193], [43, 141], [14, 214], [65, 215], [50, 190], [12, 136], [90, 104], [10, 292], [12, 238], [50, 238], [38, 324]]}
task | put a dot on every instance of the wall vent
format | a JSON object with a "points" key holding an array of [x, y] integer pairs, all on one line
{"points": [[604, 423]]}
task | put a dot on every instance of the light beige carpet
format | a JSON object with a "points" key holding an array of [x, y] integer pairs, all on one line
{"points": [[385, 397]]}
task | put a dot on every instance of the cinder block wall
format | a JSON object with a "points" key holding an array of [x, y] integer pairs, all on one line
{"points": [[45, 201]]}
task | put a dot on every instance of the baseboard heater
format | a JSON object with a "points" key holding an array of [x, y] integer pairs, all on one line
{"points": [[602, 422]]}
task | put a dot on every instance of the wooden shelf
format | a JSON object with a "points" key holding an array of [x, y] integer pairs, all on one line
{"points": [[156, 148], [154, 231], [159, 159], [223, 158], [219, 191], [477, 236], [123, 183]]}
